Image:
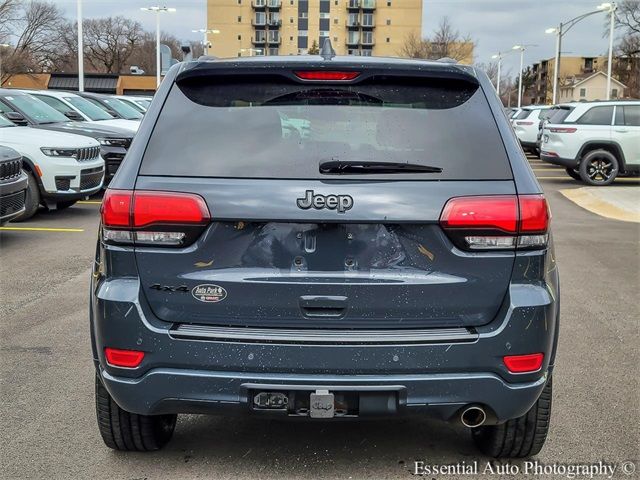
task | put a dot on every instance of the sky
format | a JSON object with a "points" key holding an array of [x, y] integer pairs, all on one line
{"points": [[496, 25]]}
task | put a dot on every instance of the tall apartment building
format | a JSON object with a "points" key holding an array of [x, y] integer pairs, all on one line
{"points": [[571, 68], [292, 27]]}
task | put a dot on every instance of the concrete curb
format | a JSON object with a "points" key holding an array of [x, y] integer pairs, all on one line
{"points": [[617, 203]]}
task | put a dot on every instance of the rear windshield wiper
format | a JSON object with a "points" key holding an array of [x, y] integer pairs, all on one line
{"points": [[335, 167]]}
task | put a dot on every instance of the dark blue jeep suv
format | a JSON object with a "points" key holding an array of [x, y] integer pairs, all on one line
{"points": [[327, 238]]}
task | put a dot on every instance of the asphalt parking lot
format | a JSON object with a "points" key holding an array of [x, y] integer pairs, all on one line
{"points": [[46, 373]]}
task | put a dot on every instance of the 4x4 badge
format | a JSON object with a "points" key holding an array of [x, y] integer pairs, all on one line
{"points": [[341, 203]]}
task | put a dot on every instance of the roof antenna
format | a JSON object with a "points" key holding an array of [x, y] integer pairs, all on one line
{"points": [[327, 52]]}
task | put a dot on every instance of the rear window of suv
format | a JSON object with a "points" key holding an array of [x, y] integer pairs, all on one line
{"points": [[522, 115], [275, 128]]}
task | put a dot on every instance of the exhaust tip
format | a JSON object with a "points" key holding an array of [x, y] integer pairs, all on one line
{"points": [[473, 416]]}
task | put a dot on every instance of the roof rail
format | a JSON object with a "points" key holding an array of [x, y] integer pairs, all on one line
{"points": [[447, 60]]}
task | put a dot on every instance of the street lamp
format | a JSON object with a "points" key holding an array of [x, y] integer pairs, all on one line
{"points": [[158, 10], [2, 45], [499, 56], [205, 42], [80, 48], [560, 31], [610, 8], [522, 48]]}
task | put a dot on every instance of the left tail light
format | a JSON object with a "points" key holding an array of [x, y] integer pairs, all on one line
{"points": [[141, 217], [500, 222]]}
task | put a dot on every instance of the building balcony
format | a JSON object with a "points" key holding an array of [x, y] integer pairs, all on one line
{"points": [[273, 41], [274, 22], [353, 5], [259, 40], [368, 42], [274, 4], [352, 42], [259, 4], [367, 4], [258, 22], [353, 23]]}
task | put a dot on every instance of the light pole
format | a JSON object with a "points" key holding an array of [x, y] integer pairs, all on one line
{"points": [[2, 45], [205, 41], [499, 56], [158, 10], [610, 8], [80, 49], [560, 31], [522, 48]]}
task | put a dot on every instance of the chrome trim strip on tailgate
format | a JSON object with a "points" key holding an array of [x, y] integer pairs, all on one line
{"points": [[333, 337]]}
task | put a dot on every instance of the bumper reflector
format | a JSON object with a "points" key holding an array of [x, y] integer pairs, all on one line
{"points": [[524, 363], [123, 358]]}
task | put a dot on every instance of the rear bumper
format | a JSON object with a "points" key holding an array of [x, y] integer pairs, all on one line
{"points": [[564, 162], [442, 396], [433, 375]]}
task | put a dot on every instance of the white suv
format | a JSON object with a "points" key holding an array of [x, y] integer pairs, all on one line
{"points": [[79, 108], [526, 123], [62, 167], [596, 141]]}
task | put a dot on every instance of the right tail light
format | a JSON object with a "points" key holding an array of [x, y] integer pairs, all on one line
{"points": [[497, 222], [141, 217]]}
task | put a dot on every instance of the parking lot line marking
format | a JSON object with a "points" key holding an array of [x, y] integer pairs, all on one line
{"points": [[90, 202], [44, 229], [628, 180]]}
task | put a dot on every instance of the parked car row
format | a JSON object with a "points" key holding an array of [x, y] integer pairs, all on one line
{"points": [[594, 141], [68, 146]]}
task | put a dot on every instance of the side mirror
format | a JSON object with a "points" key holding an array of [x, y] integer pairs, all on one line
{"points": [[73, 115], [16, 118]]}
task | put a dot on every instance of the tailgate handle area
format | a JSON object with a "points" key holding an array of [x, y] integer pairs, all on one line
{"points": [[323, 306]]}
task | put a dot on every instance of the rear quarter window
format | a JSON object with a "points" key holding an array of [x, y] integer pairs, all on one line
{"points": [[628, 115], [242, 128], [597, 116]]}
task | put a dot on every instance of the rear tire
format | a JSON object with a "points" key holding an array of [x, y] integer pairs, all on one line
{"points": [[32, 199], [575, 174], [599, 168], [63, 205], [126, 431], [521, 437]]}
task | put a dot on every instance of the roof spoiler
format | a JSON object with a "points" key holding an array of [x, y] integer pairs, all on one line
{"points": [[284, 68]]}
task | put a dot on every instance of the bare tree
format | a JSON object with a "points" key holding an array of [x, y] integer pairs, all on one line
{"points": [[110, 42], [8, 16], [414, 47], [626, 64], [34, 28], [628, 17], [43, 40], [491, 69], [145, 54], [445, 42]]}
